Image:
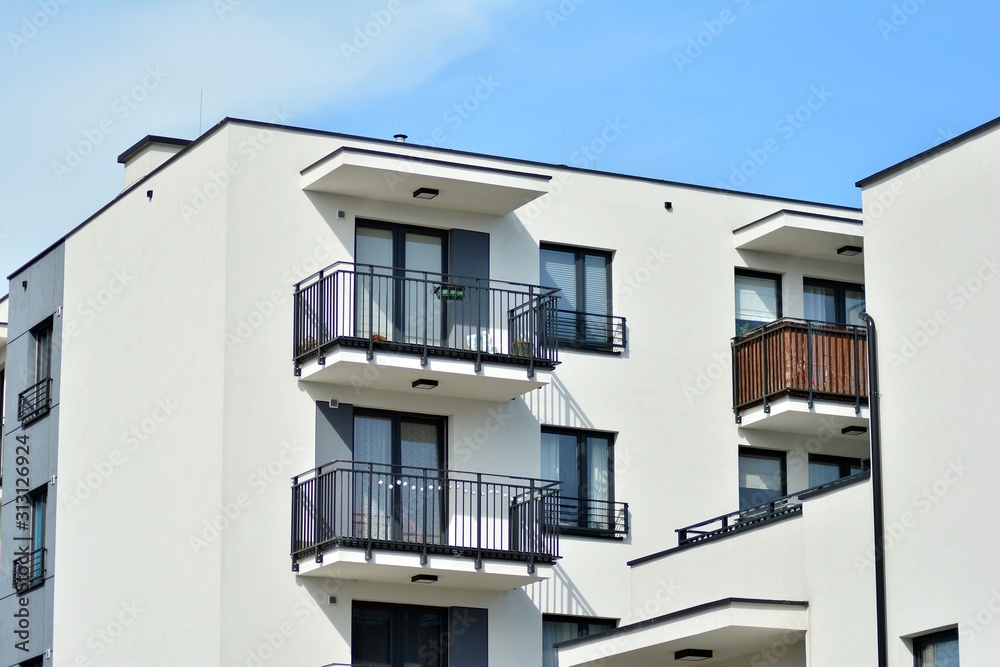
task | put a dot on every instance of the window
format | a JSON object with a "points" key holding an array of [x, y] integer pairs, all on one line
{"points": [[34, 662], [43, 351], [758, 299], [403, 450], [387, 635], [583, 462], [396, 301], [824, 469], [936, 650], [29, 565], [584, 280], [556, 629], [833, 302], [762, 476]]}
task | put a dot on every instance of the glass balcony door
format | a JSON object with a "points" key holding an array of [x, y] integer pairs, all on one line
{"points": [[398, 493], [399, 267]]}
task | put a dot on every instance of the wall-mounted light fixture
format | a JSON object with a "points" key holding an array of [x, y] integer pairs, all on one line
{"points": [[423, 383], [669, 205], [850, 250], [854, 430], [692, 654], [424, 578], [425, 193]]}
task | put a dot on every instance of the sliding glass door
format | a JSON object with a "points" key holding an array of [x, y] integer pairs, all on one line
{"points": [[398, 268]]}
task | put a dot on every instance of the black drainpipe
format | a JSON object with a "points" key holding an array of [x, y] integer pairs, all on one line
{"points": [[875, 423]]}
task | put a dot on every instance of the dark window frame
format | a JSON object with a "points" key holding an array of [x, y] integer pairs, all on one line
{"points": [[581, 472], [579, 620], [763, 275], [399, 231], [580, 341], [840, 294], [397, 417], [43, 346], [845, 463], [397, 635], [932, 638], [759, 452]]}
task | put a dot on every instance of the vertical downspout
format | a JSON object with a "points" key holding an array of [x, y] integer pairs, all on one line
{"points": [[875, 422]]}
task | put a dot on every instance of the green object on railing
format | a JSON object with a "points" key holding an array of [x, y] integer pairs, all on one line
{"points": [[449, 292]]}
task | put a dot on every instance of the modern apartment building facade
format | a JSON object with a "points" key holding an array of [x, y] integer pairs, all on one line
{"points": [[531, 414]]}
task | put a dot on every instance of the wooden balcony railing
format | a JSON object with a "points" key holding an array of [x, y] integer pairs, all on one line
{"points": [[802, 359]]}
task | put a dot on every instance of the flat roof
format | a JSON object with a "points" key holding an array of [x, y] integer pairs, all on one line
{"points": [[388, 142], [147, 140]]}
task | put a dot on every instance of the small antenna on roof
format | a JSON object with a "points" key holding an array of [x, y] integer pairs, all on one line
{"points": [[201, 106]]}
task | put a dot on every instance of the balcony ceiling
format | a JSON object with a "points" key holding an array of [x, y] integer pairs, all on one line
{"points": [[397, 568], [393, 177], [730, 628], [395, 371], [792, 415], [802, 234]]}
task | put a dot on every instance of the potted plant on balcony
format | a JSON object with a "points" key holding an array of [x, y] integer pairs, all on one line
{"points": [[521, 348], [307, 344], [378, 338]]}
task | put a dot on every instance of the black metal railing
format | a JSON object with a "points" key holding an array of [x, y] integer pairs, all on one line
{"points": [[591, 331], [425, 313], [34, 401], [382, 507], [757, 515], [802, 358], [586, 516], [29, 570]]}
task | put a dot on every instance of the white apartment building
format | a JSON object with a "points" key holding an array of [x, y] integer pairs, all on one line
{"points": [[307, 399]]}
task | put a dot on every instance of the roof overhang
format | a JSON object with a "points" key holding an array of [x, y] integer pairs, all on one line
{"points": [[730, 628], [394, 177], [802, 234]]}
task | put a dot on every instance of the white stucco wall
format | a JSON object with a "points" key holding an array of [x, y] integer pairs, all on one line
{"points": [[935, 296]]}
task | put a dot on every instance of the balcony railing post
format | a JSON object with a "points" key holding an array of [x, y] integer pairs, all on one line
{"points": [[810, 360], [371, 311], [736, 380], [857, 371], [426, 508], [764, 372], [533, 527], [532, 331], [321, 318], [427, 315], [479, 325], [479, 521], [368, 516]]}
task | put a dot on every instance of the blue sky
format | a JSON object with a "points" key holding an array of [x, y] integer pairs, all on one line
{"points": [[794, 99]]}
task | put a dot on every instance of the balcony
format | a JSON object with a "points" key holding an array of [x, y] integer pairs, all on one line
{"points": [[787, 372], [591, 331], [377, 522], [587, 517], [754, 517], [379, 327], [35, 401], [28, 571]]}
